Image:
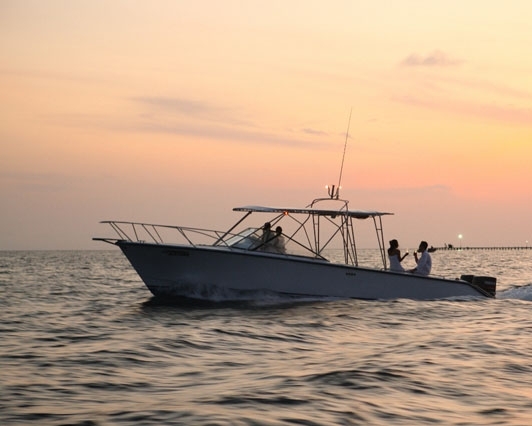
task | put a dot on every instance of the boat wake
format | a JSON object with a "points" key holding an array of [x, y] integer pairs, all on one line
{"points": [[216, 295], [521, 293], [258, 301]]}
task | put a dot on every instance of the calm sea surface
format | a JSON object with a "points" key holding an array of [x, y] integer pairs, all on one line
{"points": [[82, 342]]}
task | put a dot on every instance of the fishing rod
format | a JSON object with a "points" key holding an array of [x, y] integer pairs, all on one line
{"points": [[334, 193]]}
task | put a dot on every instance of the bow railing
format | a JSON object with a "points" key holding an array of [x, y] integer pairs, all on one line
{"points": [[163, 234]]}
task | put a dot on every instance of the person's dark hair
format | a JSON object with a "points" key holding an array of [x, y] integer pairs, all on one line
{"points": [[394, 243], [424, 244]]}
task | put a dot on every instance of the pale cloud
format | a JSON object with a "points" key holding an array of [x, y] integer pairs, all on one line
{"points": [[484, 86], [314, 132], [61, 76], [33, 182], [437, 58], [205, 119], [189, 107], [193, 118], [503, 113], [418, 192], [470, 97], [227, 133]]}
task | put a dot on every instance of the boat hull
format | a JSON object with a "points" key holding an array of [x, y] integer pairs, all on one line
{"points": [[207, 272]]}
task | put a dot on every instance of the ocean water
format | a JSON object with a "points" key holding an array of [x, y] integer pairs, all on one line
{"points": [[82, 342]]}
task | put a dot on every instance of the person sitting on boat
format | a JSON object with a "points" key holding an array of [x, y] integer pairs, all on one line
{"points": [[278, 241], [424, 263], [266, 240], [394, 254]]}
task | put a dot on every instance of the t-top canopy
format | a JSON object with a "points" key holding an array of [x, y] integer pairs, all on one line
{"points": [[357, 214]]}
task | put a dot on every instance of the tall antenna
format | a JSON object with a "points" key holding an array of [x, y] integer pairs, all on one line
{"points": [[332, 192], [345, 147]]}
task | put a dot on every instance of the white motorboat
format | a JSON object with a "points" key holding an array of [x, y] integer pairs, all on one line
{"points": [[315, 254]]}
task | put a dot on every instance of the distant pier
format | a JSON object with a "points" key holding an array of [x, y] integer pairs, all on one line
{"points": [[454, 248]]}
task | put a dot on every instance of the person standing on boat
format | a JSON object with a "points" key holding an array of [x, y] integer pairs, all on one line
{"points": [[394, 254], [424, 263]]}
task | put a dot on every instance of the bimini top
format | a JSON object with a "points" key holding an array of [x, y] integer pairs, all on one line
{"points": [[357, 214]]}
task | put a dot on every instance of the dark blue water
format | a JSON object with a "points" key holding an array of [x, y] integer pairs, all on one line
{"points": [[82, 342]]}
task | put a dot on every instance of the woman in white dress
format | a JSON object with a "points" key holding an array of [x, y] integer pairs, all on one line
{"points": [[394, 254]]}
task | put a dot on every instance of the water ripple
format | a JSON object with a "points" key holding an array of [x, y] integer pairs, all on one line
{"points": [[84, 343]]}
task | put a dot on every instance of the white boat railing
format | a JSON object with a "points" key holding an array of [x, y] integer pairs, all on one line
{"points": [[248, 239], [161, 234]]}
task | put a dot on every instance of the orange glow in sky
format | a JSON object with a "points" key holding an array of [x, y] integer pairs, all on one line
{"points": [[176, 111]]}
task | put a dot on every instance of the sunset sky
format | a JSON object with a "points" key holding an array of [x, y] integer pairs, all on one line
{"points": [[177, 111]]}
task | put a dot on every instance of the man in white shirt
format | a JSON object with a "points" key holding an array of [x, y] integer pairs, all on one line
{"points": [[424, 263]]}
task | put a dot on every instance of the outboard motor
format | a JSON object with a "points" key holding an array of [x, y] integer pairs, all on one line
{"points": [[488, 284]]}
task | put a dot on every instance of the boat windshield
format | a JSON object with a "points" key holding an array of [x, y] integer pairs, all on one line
{"points": [[246, 239]]}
